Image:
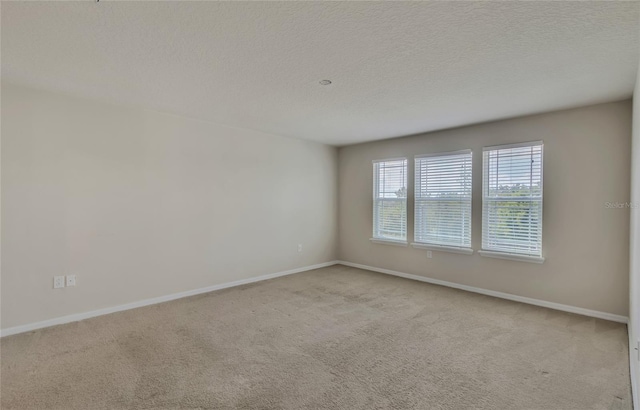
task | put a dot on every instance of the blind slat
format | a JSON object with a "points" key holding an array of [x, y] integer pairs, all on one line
{"points": [[390, 199], [512, 199], [443, 199]]}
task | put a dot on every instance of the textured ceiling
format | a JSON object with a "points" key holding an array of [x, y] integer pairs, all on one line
{"points": [[397, 68]]}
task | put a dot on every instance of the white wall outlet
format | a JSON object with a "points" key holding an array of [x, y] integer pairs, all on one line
{"points": [[71, 280], [299, 247], [58, 282], [429, 254]]}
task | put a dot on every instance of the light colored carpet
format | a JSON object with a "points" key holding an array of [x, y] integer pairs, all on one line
{"points": [[333, 338]]}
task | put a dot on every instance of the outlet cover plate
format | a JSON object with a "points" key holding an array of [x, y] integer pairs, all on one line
{"points": [[58, 282], [71, 280]]}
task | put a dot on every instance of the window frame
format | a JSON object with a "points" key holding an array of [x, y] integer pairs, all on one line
{"points": [[442, 246], [376, 238], [496, 252]]}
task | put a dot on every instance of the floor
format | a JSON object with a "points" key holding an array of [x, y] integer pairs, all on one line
{"points": [[333, 338]]}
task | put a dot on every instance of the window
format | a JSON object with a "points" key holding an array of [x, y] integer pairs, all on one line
{"points": [[443, 200], [390, 200], [512, 201]]}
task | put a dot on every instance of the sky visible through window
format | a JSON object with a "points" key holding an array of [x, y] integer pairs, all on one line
{"points": [[392, 178], [515, 168], [512, 200]]}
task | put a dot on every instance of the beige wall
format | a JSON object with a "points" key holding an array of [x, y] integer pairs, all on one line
{"points": [[586, 245], [140, 204], [634, 247]]}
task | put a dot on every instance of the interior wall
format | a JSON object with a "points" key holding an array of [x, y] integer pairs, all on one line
{"points": [[585, 233], [140, 204], [634, 246]]}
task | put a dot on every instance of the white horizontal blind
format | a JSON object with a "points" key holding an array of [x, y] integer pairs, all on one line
{"points": [[443, 199], [390, 199], [512, 199]]}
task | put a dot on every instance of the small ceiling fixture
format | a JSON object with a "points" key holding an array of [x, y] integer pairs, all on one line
{"points": [[325, 82]]}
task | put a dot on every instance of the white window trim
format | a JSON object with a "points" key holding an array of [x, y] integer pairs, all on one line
{"points": [[382, 241], [390, 159], [507, 255], [515, 145], [451, 249], [440, 154], [439, 247], [511, 256]]}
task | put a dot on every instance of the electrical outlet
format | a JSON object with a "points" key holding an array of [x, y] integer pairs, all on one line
{"points": [[71, 280], [429, 254], [58, 282], [299, 247]]}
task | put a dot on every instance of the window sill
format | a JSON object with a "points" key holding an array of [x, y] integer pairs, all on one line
{"points": [[452, 249], [383, 241], [512, 256]]}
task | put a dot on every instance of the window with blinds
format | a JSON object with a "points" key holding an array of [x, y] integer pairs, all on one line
{"points": [[512, 199], [390, 199], [443, 199]]}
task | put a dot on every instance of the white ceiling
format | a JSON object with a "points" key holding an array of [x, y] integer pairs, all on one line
{"points": [[397, 68]]}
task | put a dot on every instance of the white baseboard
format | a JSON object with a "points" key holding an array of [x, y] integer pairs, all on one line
{"points": [[502, 295], [86, 315]]}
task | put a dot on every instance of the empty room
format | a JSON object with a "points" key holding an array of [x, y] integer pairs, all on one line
{"points": [[319, 205]]}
